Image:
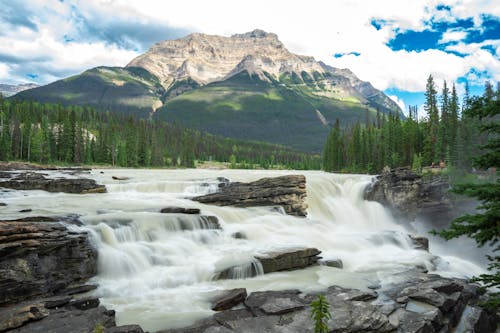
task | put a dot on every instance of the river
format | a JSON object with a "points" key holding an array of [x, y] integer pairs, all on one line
{"points": [[157, 269]]}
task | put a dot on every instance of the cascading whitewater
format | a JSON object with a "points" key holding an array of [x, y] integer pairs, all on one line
{"points": [[158, 270]]}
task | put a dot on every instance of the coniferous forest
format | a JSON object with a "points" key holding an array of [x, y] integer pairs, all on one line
{"points": [[448, 132], [52, 133]]}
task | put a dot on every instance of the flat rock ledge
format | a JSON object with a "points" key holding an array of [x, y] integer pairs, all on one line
{"points": [[286, 191], [276, 261], [37, 181], [423, 303]]}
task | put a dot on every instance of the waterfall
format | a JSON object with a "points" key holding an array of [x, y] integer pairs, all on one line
{"points": [[159, 270]]}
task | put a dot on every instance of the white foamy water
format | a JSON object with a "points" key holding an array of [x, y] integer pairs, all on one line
{"points": [[157, 269]]}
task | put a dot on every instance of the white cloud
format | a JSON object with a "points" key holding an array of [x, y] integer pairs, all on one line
{"points": [[319, 28], [452, 36], [399, 102]]}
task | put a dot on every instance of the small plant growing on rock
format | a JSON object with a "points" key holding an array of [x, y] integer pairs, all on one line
{"points": [[320, 313], [99, 328]]}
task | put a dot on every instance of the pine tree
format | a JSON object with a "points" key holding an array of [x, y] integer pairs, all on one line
{"points": [[429, 149]]}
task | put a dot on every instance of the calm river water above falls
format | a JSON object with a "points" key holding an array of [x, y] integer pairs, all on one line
{"points": [[156, 272]]}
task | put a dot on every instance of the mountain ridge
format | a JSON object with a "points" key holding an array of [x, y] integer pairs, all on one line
{"points": [[247, 86]]}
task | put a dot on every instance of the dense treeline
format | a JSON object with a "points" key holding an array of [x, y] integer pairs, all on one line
{"points": [[51, 133], [449, 133]]}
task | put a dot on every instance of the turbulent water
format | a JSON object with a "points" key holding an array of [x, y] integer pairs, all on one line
{"points": [[157, 269]]}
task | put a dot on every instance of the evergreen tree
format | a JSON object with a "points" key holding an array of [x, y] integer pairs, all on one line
{"points": [[430, 153]]}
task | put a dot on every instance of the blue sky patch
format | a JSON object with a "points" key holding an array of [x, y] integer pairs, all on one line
{"points": [[340, 55], [415, 40], [32, 76]]}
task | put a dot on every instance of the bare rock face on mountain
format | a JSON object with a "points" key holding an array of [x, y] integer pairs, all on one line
{"points": [[207, 58]]}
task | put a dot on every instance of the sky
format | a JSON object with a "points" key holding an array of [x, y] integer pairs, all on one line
{"points": [[394, 44]]}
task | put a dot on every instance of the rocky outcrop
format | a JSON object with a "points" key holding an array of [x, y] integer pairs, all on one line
{"points": [[69, 315], [40, 259], [180, 210], [286, 191], [38, 181], [43, 270], [419, 302], [288, 260], [410, 195], [276, 261], [229, 299]]}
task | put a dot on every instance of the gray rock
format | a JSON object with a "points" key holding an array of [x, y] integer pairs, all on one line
{"points": [[411, 322], [420, 242], [180, 210], [337, 263], [64, 320], [73, 290], [288, 259], [476, 320], [208, 325], [229, 299], [85, 303], [239, 235], [286, 191], [56, 301], [21, 314], [281, 305], [35, 181], [224, 317], [42, 259], [256, 300], [409, 195], [124, 329]]}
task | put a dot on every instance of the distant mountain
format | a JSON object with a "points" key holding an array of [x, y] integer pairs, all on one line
{"points": [[9, 89], [246, 86]]}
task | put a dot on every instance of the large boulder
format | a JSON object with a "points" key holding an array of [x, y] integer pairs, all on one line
{"points": [[41, 259], [286, 191]]}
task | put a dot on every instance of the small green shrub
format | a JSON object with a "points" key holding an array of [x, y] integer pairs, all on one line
{"points": [[320, 313], [99, 328]]}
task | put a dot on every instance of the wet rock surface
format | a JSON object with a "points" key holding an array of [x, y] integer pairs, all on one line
{"points": [[180, 210], [410, 195], [229, 299], [289, 259], [43, 270], [427, 303], [286, 191], [37, 181], [285, 260], [42, 258]]}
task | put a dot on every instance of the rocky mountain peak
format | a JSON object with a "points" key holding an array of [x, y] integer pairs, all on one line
{"points": [[206, 58], [257, 33]]}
